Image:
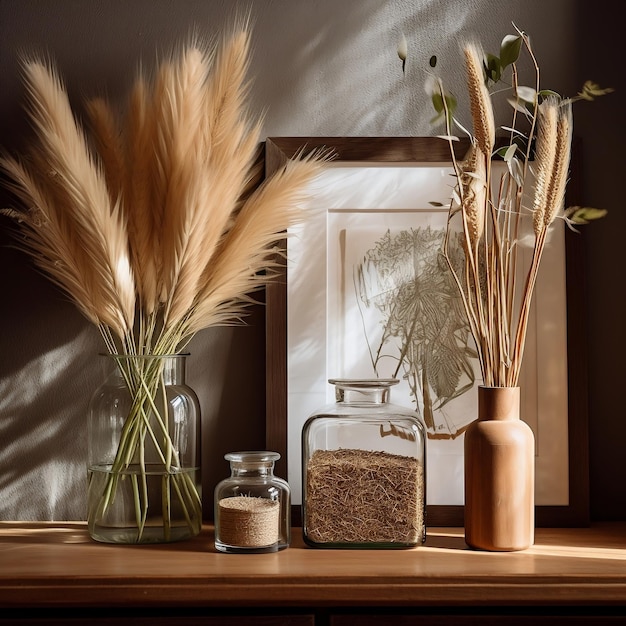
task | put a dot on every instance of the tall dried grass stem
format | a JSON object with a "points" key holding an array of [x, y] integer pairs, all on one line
{"points": [[545, 157], [247, 251], [480, 101], [77, 183], [141, 203], [556, 196], [106, 133], [47, 238], [474, 191]]}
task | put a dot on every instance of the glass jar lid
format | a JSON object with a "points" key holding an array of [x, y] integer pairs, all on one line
{"points": [[363, 383], [252, 456]]}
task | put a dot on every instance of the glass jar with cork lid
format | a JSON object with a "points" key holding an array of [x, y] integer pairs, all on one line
{"points": [[252, 506], [363, 470]]}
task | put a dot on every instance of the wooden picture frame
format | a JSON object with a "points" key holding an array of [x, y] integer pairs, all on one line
{"points": [[362, 151]]}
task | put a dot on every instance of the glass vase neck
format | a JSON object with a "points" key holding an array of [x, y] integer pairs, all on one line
{"points": [[363, 391], [171, 366]]}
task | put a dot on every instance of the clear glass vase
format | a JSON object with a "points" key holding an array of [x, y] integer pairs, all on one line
{"points": [[144, 452], [252, 505], [363, 470]]}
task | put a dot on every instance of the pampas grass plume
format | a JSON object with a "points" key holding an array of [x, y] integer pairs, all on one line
{"points": [[152, 225]]}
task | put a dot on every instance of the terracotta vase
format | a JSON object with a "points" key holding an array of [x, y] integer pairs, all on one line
{"points": [[499, 474]]}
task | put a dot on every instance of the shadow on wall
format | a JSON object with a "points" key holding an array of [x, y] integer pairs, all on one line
{"points": [[50, 366], [46, 352]]}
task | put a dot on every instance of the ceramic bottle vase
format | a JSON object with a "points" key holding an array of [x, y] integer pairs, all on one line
{"points": [[499, 474]]}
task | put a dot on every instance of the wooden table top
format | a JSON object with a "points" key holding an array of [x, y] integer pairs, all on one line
{"points": [[56, 564]]}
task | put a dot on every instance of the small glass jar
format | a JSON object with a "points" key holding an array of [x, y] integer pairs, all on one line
{"points": [[252, 506], [363, 470]]}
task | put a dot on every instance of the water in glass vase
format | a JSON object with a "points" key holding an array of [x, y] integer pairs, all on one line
{"points": [[149, 506], [144, 452]]}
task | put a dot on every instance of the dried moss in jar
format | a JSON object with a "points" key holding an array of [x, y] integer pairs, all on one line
{"points": [[363, 472]]}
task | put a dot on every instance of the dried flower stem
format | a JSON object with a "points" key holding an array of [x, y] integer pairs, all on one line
{"points": [[497, 313]]}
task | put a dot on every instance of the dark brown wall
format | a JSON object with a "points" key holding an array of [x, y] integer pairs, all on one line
{"points": [[599, 42], [322, 68]]}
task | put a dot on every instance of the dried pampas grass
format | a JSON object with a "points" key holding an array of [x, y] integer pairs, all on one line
{"points": [[155, 227], [151, 223]]}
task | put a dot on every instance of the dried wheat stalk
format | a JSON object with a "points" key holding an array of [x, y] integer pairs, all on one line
{"points": [[491, 212]]}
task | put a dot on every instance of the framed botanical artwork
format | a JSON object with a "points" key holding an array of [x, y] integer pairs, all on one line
{"points": [[366, 295]]}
